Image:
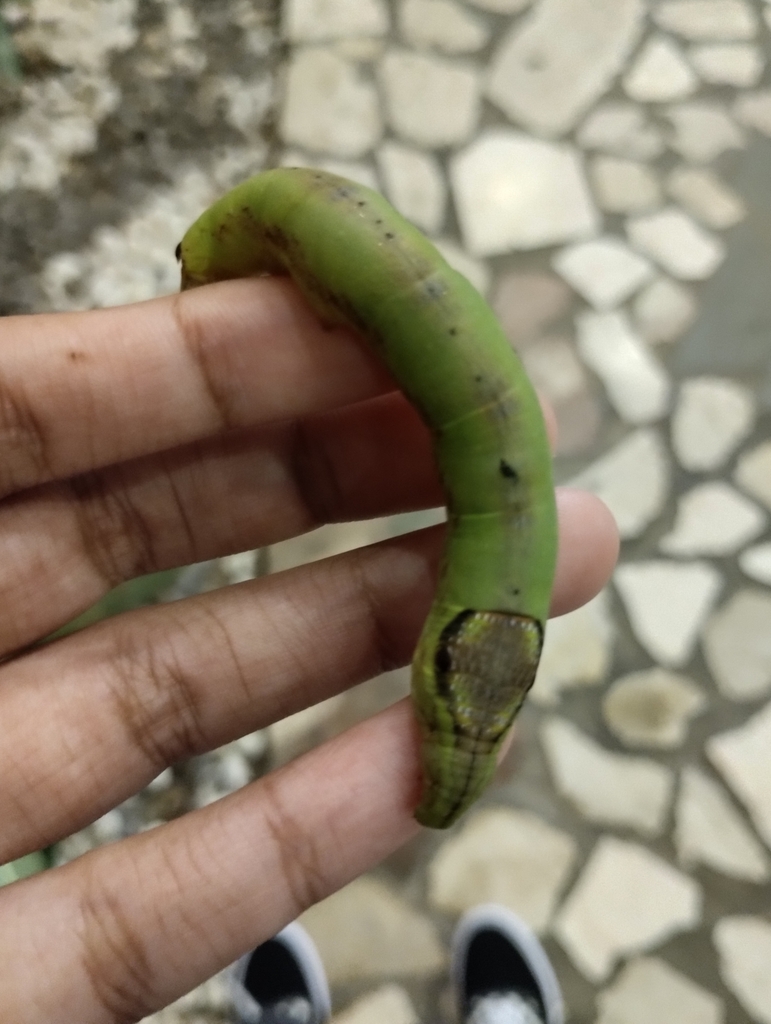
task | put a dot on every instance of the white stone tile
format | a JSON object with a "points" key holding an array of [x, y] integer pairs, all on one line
{"points": [[441, 24], [356, 170], [713, 519], [743, 757], [326, 541], [704, 195], [660, 73], [604, 271], [503, 856], [312, 21], [212, 997], [753, 472], [501, 6], [430, 100], [328, 107], [737, 645], [756, 563], [528, 304], [58, 121], [554, 368], [476, 271], [632, 479], [81, 35], [713, 415], [754, 110], [366, 931], [244, 103], [605, 787], [360, 49], [701, 131], [297, 733], [637, 384], [710, 831], [677, 243], [744, 946], [737, 64], [707, 19], [624, 186], [414, 183], [622, 129], [652, 708], [664, 310], [580, 47], [577, 650], [649, 991], [667, 602], [627, 901], [388, 1003], [516, 192], [134, 260]]}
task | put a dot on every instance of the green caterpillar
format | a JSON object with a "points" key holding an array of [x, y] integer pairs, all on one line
{"points": [[359, 263]]}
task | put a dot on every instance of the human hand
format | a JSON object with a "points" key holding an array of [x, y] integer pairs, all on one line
{"points": [[170, 432]]}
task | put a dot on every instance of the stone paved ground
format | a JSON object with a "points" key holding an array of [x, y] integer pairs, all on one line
{"points": [[600, 169]]}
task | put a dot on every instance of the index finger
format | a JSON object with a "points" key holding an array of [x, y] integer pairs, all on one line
{"points": [[80, 391]]}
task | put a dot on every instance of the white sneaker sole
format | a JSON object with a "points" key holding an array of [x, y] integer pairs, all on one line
{"points": [[303, 948], [521, 936]]}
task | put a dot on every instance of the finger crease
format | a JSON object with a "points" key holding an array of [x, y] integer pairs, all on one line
{"points": [[189, 329], [115, 536], [156, 703], [315, 477], [301, 862], [24, 443], [227, 641], [385, 653], [183, 518], [114, 956]]}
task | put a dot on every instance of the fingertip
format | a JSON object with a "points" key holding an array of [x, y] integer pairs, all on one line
{"points": [[588, 548]]}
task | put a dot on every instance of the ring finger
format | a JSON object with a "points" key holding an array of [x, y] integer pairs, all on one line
{"points": [[94, 717]]}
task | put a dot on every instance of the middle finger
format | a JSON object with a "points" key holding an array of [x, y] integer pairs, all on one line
{"points": [[65, 545]]}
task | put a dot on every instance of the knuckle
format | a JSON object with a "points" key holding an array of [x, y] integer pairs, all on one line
{"points": [[116, 536], [114, 955], [300, 857], [386, 653], [315, 476], [23, 439], [193, 338], [155, 700]]}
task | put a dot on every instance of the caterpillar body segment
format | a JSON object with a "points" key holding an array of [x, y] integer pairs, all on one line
{"points": [[360, 263]]}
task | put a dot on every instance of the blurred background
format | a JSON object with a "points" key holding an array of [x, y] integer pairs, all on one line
{"points": [[600, 170]]}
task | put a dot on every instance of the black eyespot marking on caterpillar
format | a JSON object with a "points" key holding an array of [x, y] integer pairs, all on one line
{"points": [[507, 470], [178, 252]]}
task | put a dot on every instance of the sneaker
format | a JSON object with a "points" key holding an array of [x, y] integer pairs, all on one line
{"points": [[500, 971], [281, 982]]}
